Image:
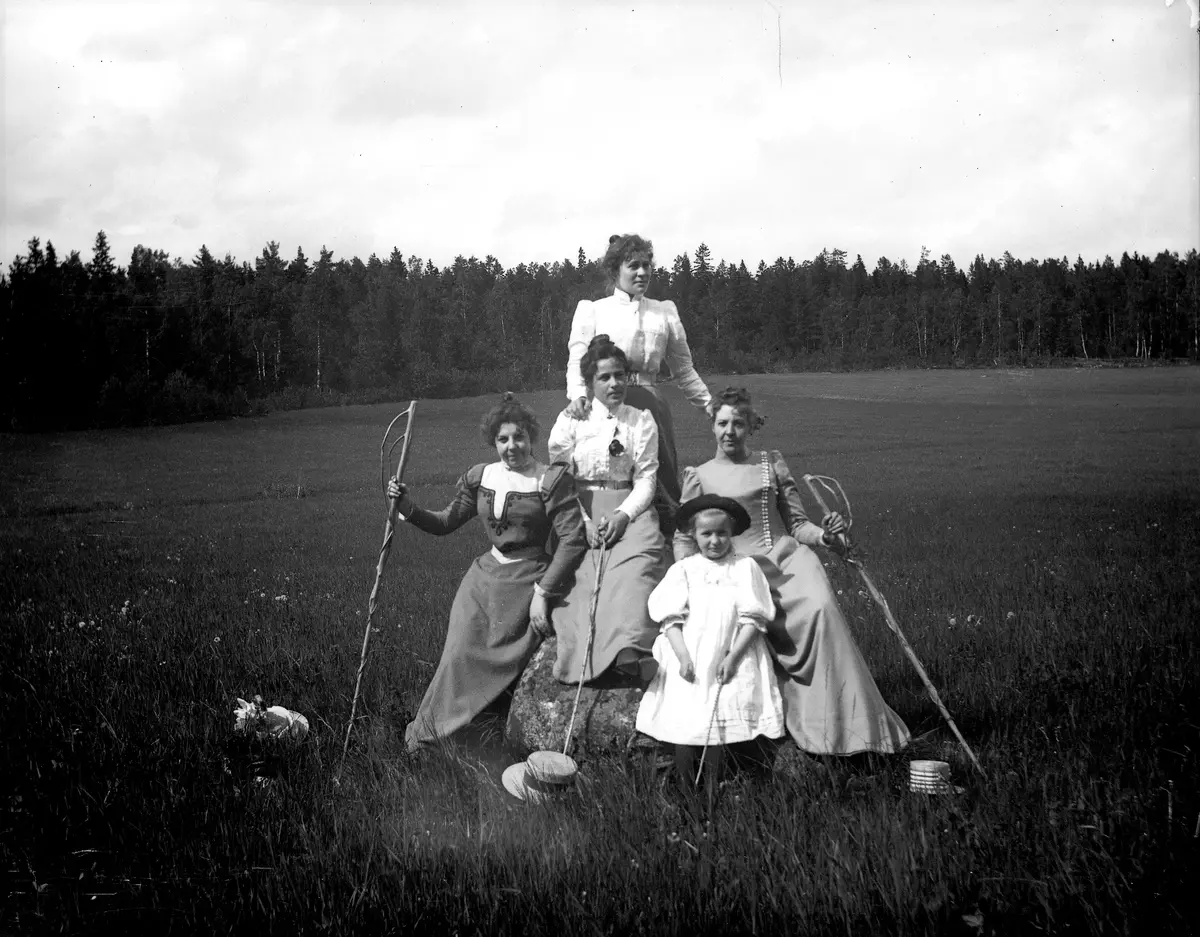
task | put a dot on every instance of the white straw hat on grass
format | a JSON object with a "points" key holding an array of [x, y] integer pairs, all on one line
{"points": [[929, 777], [545, 776]]}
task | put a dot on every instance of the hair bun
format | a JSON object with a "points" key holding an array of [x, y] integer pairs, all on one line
{"points": [[739, 399], [614, 238], [600, 339]]}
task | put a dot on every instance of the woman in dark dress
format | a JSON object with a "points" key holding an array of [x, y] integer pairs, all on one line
{"points": [[502, 609]]}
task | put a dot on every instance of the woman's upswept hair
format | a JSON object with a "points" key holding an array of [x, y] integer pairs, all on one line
{"points": [[599, 349], [508, 410], [620, 248], [738, 398]]}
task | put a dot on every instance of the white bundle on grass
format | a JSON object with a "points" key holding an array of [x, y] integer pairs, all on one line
{"points": [[273, 722]]}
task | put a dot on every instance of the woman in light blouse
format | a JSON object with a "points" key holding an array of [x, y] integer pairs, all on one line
{"points": [[614, 454], [649, 332]]}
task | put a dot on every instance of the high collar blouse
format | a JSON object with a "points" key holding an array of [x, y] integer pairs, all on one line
{"points": [[649, 331], [587, 444]]}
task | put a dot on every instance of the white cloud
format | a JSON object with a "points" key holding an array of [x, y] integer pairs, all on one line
{"points": [[526, 130]]}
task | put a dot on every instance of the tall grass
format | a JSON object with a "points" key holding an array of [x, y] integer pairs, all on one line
{"points": [[149, 577]]}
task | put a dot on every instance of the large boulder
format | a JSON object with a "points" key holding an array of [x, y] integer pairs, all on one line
{"points": [[541, 712]]}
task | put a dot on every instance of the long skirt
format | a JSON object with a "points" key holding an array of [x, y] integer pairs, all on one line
{"points": [[830, 699], [632, 568], [651, 399], [488, 643]]}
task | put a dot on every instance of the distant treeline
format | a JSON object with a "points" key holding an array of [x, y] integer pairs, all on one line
{"points": [[163, 340]]}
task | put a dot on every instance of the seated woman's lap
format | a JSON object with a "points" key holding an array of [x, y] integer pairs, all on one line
{"points": [[806, 601], [632, 568]]}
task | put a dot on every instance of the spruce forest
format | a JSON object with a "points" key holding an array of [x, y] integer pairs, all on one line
{"points": [[162, 340]]}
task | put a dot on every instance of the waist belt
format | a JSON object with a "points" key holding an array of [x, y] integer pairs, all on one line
{"points": [[600, 485], [524, 553]]}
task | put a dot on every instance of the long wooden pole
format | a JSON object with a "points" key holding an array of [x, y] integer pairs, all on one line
{"points": [[388, 532], [587, 654], [810, 481]]}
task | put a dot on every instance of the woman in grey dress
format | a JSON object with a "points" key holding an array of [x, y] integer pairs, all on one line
{"points": [[830, 699], [501, 612]]}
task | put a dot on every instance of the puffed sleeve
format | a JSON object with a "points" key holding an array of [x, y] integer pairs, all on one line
{"points": [[645, 465], [562, 506], [754, 603], [681, 544], [462, 507], [679, 359], [668, 603], [562, 439], [791, 508], [583, 330]]}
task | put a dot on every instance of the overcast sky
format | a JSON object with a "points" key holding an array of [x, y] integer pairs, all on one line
{"points": [[528, 130]]}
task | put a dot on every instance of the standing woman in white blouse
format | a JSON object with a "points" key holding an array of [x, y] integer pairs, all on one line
{"points": [[650, 332], [614, 453]]}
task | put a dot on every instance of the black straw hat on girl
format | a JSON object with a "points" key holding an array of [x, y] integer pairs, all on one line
{"points": [[689, 509]]}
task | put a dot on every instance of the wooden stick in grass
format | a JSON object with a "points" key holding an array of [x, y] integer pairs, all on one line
{"points": [[704, 751], [591, 638], [846, 553], [388, 531], [713, 715]]}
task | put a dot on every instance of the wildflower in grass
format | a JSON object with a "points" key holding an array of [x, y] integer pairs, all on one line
{"points": [[1010, 616], [245, 714], [281, 598], [952, 621]]}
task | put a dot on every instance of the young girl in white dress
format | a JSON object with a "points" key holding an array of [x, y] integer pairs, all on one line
{"points": [[715, 685]]}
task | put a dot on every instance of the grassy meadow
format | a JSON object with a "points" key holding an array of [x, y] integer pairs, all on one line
{"points": [[1035, 532]]}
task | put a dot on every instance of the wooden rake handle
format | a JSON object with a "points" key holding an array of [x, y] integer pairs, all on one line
{"points": [[894, 626], [843, 538], [385, 454], [403, 440]]}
